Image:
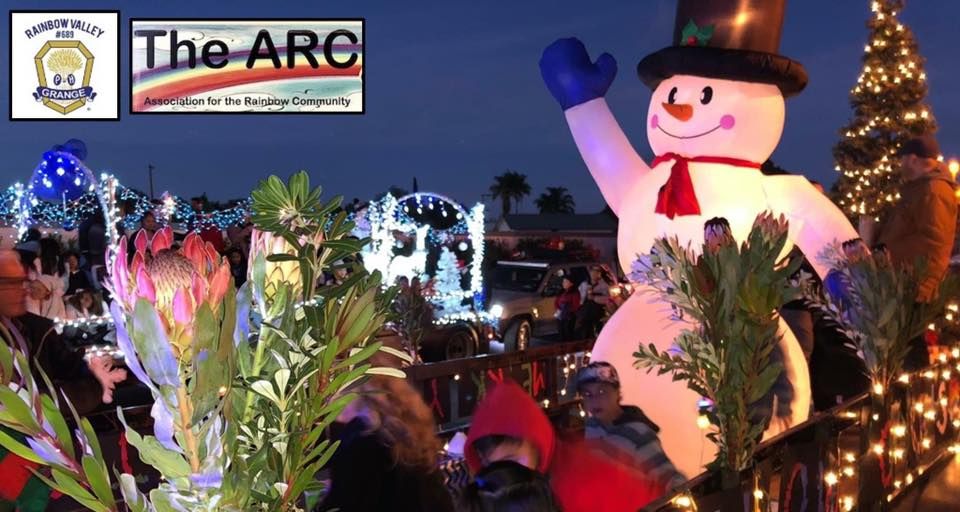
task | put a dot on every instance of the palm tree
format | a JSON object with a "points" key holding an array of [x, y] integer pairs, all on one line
{"points": [[556, 200], [510, 186]]}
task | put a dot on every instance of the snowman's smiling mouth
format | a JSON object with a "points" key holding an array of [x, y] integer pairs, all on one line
{"points": [[708, 132]]}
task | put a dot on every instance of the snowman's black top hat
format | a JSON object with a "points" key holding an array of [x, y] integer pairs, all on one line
{"points": [[727, 39]]}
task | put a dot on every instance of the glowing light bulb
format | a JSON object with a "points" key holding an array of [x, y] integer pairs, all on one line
{"points": [[703, 422], [878, 389], [899, 430], [878, 449], [848, 471], [847, 503], [830, 478]]}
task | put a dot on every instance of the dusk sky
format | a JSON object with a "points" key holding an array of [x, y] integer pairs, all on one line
{"points": [[454, 97]]}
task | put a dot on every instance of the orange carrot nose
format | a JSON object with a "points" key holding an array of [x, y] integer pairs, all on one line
{"points": [[680, 111]]}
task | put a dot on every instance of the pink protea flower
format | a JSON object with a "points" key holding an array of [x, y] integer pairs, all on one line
{"points": [[175, 283]]}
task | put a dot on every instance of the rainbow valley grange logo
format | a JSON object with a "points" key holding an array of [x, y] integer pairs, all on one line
{"points": [[64, 64]]}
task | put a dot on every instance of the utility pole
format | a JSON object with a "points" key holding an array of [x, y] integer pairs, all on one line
{"points": [[150, 171]]}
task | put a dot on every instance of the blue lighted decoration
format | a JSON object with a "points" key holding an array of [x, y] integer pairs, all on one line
{"points": [[70, 214], [62, 176], [62, 193]]}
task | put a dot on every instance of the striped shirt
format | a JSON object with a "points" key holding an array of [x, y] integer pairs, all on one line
{"points": [[635, 435]]}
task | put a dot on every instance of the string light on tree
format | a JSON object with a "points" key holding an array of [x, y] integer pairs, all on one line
{"points": [[447, 283], [108, 201], [889, 108]]}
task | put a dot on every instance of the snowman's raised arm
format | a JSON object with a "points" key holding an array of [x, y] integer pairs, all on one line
{"points": [[612, 161], [815, 222]]}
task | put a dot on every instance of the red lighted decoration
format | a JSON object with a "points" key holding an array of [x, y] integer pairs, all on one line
{"points": [[435, 401]]}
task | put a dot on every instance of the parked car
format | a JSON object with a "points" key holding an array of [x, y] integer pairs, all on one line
{"points": [[464, 338], [523, 293]]}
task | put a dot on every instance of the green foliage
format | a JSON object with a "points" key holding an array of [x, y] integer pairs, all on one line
{"points": [[413, 317], [730, 295], [888, 107], [239, 425], [292, 384], [37, 416], [879, 311]]}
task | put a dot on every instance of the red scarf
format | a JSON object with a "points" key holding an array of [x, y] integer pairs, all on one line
{"points": [[677, 196]]}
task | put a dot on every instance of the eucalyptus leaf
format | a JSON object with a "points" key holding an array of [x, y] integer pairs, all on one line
{"points": [[53, 416], [282, 378], [19, 411], [265, 388], [96, 472], [389, 372], [19, 449], [132, 497]]}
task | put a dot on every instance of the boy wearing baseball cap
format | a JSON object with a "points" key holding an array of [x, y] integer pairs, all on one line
{"points": [[623, 428]]}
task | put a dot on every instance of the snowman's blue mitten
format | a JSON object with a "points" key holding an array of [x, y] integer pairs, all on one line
{"points": [[837, 287], [570, 75]]}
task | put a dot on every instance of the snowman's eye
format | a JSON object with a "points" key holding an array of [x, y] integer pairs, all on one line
{"points": [[706, 95], [672, 97]]}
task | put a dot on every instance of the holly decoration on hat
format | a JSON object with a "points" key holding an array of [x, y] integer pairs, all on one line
{"points": [[693, 35]]}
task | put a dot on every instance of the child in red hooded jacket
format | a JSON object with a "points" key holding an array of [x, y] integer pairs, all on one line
{"points": [[508, 425]]}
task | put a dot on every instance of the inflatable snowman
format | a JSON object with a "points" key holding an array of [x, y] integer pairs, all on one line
{"points": [[717, 113]]}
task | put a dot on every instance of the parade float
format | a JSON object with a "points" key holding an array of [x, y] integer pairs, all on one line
{"points": [[716, 113], [435, 248]]}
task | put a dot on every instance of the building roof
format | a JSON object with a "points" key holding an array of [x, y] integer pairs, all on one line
{"points": [[603, 222]]}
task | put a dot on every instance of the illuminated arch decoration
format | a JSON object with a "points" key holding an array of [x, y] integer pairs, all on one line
{"points": [[448, 222], [21, 208]]}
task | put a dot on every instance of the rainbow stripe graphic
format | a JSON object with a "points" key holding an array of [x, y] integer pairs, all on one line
{"points": [[236, 88]]}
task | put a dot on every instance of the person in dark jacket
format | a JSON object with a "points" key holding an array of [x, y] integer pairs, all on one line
{"points": [[567, 304], [86, 382], [238, 266], [76, 278], [388, 454]]}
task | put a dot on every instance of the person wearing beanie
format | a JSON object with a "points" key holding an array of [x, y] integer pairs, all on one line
{"points": [[623, 428], [921, 226]]}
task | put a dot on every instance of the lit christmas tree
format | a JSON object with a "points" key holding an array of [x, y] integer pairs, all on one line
{"points": [[889, 108], [447, 284]]}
